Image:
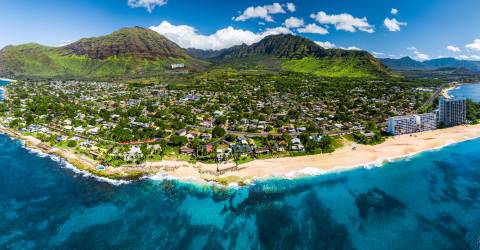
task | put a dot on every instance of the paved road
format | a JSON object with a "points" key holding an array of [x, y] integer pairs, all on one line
{"points": [[250, 134], [434, 96]]}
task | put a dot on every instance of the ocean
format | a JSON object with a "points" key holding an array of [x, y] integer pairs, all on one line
{"points": [[470, 91], [2, 83], [429, 201]]}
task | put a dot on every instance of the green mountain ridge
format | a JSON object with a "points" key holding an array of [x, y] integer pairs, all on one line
{"points": [[407, 63], [143, 53], [299, 54], [136, 42], [130, 52]]}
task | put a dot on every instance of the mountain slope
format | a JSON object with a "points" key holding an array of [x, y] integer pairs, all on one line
{"points": [[129, 52], [137, 42], [453, 63], [404, 63], [299, 54], [285, 46], [407, 63]]}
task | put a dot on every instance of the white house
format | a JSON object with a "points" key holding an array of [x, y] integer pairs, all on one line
{"points": [[134, 153]]}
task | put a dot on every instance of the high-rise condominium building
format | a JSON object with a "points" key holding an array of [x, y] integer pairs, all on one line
{"points": [[452, 111]]}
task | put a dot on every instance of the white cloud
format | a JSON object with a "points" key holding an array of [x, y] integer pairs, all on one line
{"points": [[64, 43], [293, 22], [149, 5], [274, 31], [475, 57], [393, 25], [313, 29], [471, 57], [264, 12], [394, 11], [291, 7], [329, 45], [352, 48], [188, 37], [418, 55], [474, 46], [378, 54], [453, 48], [344, 22], [326, 44]]}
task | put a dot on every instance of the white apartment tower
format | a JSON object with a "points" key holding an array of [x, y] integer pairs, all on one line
{"points": [[409, 124]]}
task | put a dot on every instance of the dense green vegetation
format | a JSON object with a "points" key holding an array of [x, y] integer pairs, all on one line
{"points": [[298, 54], [128, 53], [217, 115], [331, 67], [473, 111], [139, 53]]}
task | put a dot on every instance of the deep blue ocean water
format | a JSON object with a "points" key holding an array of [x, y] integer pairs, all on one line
{"points": [[430, 201], [470, 91]]}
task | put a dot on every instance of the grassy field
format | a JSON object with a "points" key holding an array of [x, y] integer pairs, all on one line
{"points": [[335, 67]]}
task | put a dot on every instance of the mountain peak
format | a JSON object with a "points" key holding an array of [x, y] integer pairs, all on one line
{"points": [[137, 42], [283, 45]]}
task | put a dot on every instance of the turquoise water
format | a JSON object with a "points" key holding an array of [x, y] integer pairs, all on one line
{"points": [[430, 201], [469, 91], [2, 83]]}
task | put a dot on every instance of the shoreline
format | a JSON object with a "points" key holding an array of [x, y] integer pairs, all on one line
{"points": [[7, 80], [343, 159]]}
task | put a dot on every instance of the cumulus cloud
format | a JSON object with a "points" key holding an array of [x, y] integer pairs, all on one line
{"points": [[188, 37], [352, 48], [291, 7], [419, 55], [264, 12], [64, 43], [475, 57], [344, 22], [393, 25], [293, 22], [453, 48], [378, 54], [326, 44], [470, 57], [313, 29], [394, 11], [474, 46], [149, 5]]}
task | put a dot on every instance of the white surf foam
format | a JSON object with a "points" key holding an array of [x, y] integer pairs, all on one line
{"points": [[65, 164], [305, 172]]}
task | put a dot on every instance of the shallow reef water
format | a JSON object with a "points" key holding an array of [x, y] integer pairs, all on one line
{"points": [[428, 201]]}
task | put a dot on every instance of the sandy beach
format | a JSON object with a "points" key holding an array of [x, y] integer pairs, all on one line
{"points": [[350, 156], [343, 159]]}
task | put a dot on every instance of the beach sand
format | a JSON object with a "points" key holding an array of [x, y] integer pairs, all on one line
{"points": [[342, 159]]}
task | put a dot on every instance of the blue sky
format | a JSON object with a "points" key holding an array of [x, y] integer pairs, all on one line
{"points": [[420, 29]]}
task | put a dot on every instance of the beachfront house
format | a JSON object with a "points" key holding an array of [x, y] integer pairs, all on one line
{"points": [[296, 145], [186, 151], [134, 153]]}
